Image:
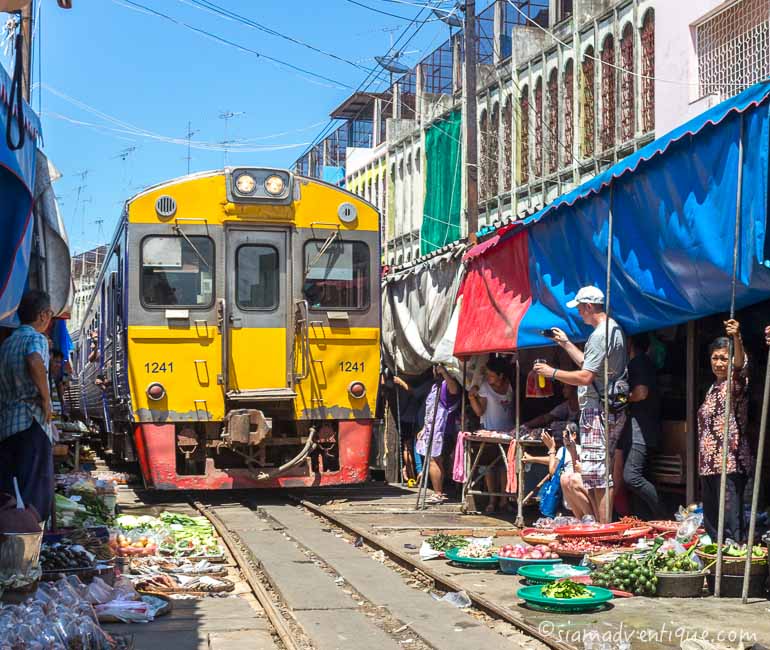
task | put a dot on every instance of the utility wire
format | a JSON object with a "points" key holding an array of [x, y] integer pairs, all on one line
{"points": [[226, 41], [205, 146], [231, 15], [387, 13], [368, 81]]}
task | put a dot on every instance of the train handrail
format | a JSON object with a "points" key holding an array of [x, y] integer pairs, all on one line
{"points": [[301, 322], [222, 324]]}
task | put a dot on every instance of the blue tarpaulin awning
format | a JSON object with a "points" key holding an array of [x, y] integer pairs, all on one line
{"points": [[17, 182], [674, 205]]}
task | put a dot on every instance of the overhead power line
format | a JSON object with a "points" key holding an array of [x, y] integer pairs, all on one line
{"points": [[221, 39], [218, 10], [387, 13], [373, 77]]}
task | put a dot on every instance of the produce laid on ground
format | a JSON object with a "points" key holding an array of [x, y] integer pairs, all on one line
{"points": [[672, 562], [628, 574], [80, 512], [153, 565], [179, 584], [171, 534], [733, 551], [576, 547], [442, 542], [64, 557], [523, 552], [92, 541], [476, 551], [137, 545], [566, 589]]}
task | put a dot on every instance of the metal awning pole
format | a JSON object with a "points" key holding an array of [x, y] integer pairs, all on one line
{"points": [[399, 447], [729, 382], [757, 483], [607, 455], [518, 469], [462, 395]]}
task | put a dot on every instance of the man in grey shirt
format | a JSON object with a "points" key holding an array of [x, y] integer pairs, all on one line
{"points": [[586, 489]]}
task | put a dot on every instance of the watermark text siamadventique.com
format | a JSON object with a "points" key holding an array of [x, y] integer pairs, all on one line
{"points": [[623, 634]]}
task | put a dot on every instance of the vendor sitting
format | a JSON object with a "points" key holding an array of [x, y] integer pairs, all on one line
{"points": [[567, 411]]}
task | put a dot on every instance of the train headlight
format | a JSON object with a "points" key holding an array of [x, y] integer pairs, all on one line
{"points": [[155, 391], [245, 184], [274, 185], [357, 390]]}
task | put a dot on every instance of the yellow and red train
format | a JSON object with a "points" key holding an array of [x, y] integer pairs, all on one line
{"points": [[233, 337]]}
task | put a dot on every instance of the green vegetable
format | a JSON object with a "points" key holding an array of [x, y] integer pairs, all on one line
{"points": [[628, 573], [443, 542], [566, 589]]}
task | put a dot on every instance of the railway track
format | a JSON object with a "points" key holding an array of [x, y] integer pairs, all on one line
{"points": [[324, 584]]}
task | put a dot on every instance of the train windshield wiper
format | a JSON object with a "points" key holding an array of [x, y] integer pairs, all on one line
{"points": [[181, 232], [324, 247]]}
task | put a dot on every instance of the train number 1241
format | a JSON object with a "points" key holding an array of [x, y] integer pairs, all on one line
{"points": [[352, 366], [154, 367]]}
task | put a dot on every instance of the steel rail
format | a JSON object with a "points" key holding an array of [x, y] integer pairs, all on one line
{"points": [[266, 602], [480, 602]]}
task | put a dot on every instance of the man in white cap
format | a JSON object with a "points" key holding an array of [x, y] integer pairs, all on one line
{"points": [[586, 488]]}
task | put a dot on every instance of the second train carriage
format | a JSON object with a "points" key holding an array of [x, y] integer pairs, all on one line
{"points": [[234, 333]]}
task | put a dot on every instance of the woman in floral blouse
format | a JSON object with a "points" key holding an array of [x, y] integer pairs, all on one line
{"points": [[711, 431]]}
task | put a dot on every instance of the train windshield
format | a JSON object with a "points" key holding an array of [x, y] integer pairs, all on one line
{"points": [[336, 274], [257, 277], [177, 271]]}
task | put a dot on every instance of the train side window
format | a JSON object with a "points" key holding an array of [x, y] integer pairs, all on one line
{"points": [[177, 271], [257, 276], [336, 274]]}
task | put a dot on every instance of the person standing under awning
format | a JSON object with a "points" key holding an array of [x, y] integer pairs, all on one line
{"points": [[594, 435], [25, 406], [711, 422]]}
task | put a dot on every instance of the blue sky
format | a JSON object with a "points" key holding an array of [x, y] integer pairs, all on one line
{"points": [[120, 70]]}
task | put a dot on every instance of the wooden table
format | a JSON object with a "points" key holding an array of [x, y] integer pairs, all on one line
{"points": [[473, 449]]}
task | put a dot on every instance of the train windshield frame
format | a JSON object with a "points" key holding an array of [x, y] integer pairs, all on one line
{"points": [[177, 272], [337, 275]]}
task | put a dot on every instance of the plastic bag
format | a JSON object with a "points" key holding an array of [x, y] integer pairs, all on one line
{"points": [[457, 598], [689, 526], [539, 386], [427, 552], [134, 543], [127, 611]]}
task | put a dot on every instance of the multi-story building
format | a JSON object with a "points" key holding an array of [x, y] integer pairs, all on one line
{"points": [[565, 88], [85, 269]]}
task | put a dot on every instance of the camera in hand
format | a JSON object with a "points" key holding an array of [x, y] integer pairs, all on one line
{"points": [[549, 333]]}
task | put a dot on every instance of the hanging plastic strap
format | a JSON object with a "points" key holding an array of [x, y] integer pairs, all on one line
{"points": [[14, 97]]}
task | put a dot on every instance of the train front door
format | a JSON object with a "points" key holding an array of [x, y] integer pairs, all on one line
{"points": [[257, 298]]}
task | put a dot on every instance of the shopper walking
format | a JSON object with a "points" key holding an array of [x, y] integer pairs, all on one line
{"points": [[711, 421], [25, 406], [643, 427], [594, 435]]}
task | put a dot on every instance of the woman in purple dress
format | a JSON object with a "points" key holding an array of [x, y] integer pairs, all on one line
{"points": [[448, 392]]}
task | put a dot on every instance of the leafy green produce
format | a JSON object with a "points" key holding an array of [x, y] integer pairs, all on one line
{"points": [[566, 589], [443, 542], [734, 550]]}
